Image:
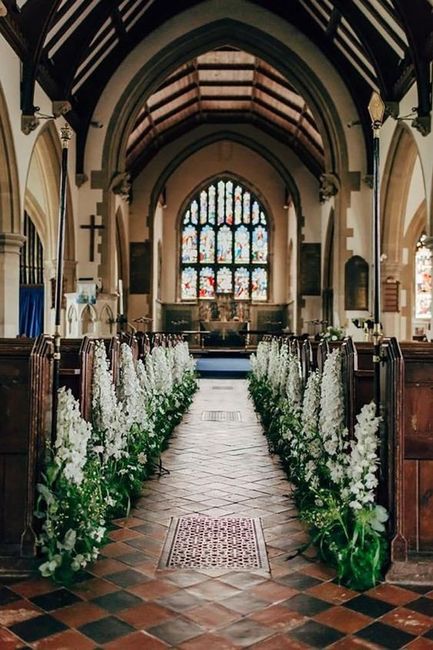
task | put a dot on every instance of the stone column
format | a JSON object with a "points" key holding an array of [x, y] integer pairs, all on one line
{"points": [[10, 245]]}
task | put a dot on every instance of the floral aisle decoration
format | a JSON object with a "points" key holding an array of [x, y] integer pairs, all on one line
{"points": [[70, 502], [334, 479], [94, 470]]}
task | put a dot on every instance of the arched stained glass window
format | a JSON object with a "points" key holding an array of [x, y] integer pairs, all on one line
{"points": [[225, 244], [423, 280]]}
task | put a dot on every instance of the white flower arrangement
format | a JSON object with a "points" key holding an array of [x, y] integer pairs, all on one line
{"points": [[109, 421], [311, 442], [131, 394], [260, 360], [363, 460], [274, 365], [73, 435], [283, 368], [294, 383], [332, 424], [162, 371]]}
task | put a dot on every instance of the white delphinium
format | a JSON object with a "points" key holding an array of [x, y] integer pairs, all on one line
{"points": [[332, 427], [363, 459], [274, 365], [144, 379], [73, 435], [183, 361], [283, 368], [107, 415], [131, 395], [150, 372], [311, 445], [294, 383], [162, 370], [260, 360]]}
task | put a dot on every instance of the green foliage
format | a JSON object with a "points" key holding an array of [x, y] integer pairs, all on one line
{"points": [[351, 540]]}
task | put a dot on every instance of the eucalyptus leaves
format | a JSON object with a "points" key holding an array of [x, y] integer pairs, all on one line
{"points": [[334, 478], [95, 469]]}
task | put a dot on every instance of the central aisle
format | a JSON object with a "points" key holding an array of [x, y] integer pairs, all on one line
{"points": [[217, 468]]}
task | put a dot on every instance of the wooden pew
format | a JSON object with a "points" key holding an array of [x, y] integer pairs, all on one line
{"points": [[407, 403], [358, 378], [25, 403], [76, 370]]}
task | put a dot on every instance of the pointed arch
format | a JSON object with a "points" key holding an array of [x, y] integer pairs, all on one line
{"points": [[10, 216], [396, 182]]}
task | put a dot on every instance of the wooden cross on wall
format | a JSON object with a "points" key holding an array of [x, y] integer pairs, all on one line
{"points": [[92, 227]]}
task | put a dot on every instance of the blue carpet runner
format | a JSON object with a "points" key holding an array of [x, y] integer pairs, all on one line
{"points": [[223, 367]]}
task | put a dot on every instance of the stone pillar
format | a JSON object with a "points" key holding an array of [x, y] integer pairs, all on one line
{"points": [[10, 245]]}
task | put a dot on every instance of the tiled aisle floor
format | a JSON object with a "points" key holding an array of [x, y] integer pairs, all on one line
{"points": [[125, 603]]}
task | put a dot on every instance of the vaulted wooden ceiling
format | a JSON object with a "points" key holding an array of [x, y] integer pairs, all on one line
{"points": [[220, 86], [72, 47]]}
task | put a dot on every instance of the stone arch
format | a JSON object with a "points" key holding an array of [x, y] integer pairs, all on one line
{"points": [[10, 217], [396, 182], [250, 143], [215, 33], [88, 320]]}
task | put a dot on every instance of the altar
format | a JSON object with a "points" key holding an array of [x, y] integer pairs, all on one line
{"points": [[225, 320], [225, 332]]}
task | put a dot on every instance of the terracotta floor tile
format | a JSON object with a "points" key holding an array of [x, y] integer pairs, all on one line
{"points": [[19, 610], [146, 615], [79, 614], [213, 590], [278, 617], [9, 641], [34, 587], [122, 534], [393, 594], [246, 632], [353, 643], [408, 620], [153, 589], [273, 592], [212, 615], [114, 549], [343, 619], [420, 644], [93, 588], [332, 593], [280, 642], [208, 642], [106, 566], [319, 571], [136, 641], [69, 640], [128, 522]]}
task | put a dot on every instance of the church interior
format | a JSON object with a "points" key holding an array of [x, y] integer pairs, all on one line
{"points": [[224, 178]]}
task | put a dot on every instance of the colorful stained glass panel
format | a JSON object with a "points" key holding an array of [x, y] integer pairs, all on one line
{"points": [[242, 284], [259, 284], [207, 282], [194, 212], [256, 213], [423, 280], [211, 204], [203, 207], [242, 245], [221, 202], [189, 283], [224, 280], [189, 245], [229, 203], [238, 204], [224, 245], [247, 207], [260, 245], [207, 245]]}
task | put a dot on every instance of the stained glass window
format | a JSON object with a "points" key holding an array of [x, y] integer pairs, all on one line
{"points": [[423, 280], [224, 244]]}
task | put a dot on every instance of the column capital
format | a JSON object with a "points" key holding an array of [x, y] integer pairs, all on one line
{"points": [[11, 242]]}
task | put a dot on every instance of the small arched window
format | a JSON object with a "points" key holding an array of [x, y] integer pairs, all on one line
{"points": [[224, 244], [423, 279]]}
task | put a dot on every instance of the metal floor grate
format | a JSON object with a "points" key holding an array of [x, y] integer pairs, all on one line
{"points": [[221, 416], [199, 542]]}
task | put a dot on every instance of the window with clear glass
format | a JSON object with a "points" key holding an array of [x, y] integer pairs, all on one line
{"points": [[423, 280], [224, 244]]}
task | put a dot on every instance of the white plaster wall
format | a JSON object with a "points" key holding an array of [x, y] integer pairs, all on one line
{"points": [[416, 194]]}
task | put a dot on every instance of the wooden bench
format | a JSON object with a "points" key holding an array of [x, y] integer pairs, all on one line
{"points": [[25, 403]]}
